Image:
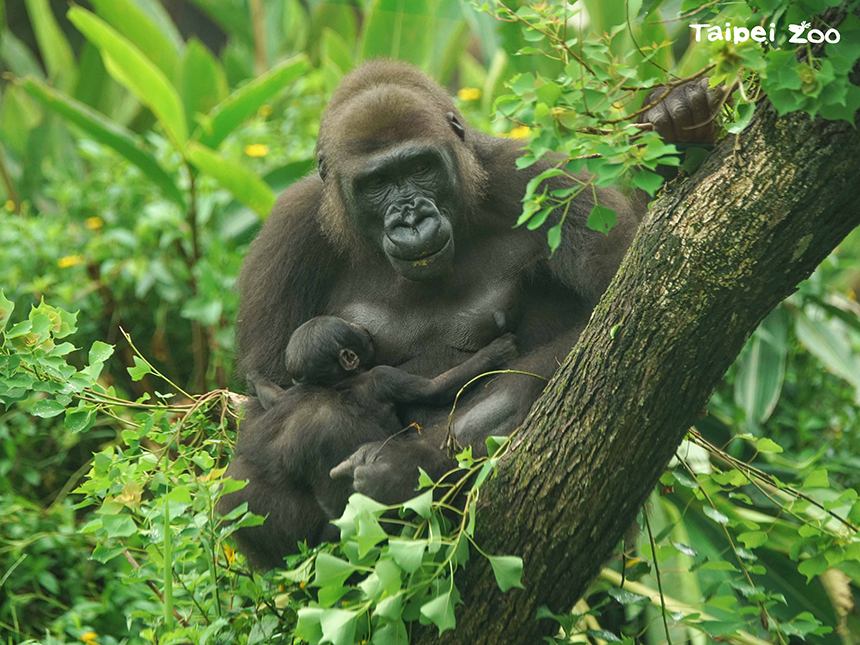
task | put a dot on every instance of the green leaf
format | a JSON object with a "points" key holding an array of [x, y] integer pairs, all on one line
{"points": [[601, 219], [421, 504], [817, 479], [6, 309], [624, 597], [508, 570], [768, 445], [338, 626], [370, 533], [128, 65], [47, 408], [53, 46], [241, 182], [201, 80], [119, 526], [245, 101], [331, 571], [107, 132], [80, 419], [715, 515], [440, 611], [647, 181], [761, 370], [753, 539], [391, 608], [813, 566], [100, 352], [398, 29], [829, 341], [141, 31], [335, 49], [140, 369], [408, 554]]}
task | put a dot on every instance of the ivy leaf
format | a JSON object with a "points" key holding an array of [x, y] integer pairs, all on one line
{"points": [[440, 611], [508, 570], [407, 553], [140, 369], [332, 571], [421, 504]]}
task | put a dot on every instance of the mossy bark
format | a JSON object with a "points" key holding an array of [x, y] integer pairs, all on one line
{"points": [[714, 256]]}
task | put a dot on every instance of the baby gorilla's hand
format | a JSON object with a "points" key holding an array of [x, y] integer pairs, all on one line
{"points": [[503, 349]]}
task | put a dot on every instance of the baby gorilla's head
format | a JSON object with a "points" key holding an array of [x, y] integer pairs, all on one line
{"points": [[326, 349]]}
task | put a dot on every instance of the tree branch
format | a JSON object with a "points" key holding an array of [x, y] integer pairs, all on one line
{"points": [[714, 256]]}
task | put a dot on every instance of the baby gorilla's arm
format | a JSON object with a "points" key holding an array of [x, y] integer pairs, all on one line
{"points": [[397, 386]]}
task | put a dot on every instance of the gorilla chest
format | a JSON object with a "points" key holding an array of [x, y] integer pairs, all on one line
{"points": [[423, 324]]}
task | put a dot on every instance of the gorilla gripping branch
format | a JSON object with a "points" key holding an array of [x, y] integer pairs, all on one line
{"points": [[713, 257]]}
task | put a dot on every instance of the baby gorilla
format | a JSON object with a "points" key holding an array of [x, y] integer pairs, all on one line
{"points": [[338, 403]]}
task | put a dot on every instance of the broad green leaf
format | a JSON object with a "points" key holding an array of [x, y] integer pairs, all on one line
{"points": [[335, 49], [53, 46], [828, 341], [109, 133], [391, 608], [130, 67], [508, 570], [201, 80], [241, 182], [813, 566], [817, 479], [245, 101], [232, 17], [398, 29], [393, 633], [80, 420], [19, 114], [761, 370], [141, 30], [647, 181]]}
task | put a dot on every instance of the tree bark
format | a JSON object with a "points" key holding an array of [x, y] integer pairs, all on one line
{"points": [[713, 257]]}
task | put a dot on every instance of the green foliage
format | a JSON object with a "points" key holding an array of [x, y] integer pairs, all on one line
{"points": [[152, 496]]}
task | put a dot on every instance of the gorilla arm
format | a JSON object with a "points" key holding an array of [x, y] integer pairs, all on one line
{"points": [[285, 280]]}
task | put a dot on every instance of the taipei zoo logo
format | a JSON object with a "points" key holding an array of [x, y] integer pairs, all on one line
{"points": [[799, 33]]}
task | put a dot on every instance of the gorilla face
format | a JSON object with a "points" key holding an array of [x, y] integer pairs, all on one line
{"points": [[405, 202]]}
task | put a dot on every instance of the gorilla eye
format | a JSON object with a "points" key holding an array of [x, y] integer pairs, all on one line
{"points": [[420, 167]]}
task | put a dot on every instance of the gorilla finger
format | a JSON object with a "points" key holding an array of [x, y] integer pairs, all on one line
{"points": [[680, 114], [345, 469]]}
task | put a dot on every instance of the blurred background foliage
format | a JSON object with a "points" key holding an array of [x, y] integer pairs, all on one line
{"points": [[141, 145]]}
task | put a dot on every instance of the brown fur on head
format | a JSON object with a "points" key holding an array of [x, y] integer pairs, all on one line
{"points": [[378, 106]]}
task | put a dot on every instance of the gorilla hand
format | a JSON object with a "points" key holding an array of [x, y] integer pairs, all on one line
{"points": [[387, 471], [686, 114]]}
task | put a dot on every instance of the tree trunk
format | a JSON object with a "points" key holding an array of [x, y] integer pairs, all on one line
{"points": [[714, 256]]}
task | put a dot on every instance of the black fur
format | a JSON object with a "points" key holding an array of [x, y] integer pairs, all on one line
{"points": [[295, 436], [334, 246]]}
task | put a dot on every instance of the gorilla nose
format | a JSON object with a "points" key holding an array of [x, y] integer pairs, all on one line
{"points": [[414, 233]]}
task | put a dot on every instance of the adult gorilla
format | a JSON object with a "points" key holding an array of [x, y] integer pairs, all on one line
{"points": [[407, 231]]}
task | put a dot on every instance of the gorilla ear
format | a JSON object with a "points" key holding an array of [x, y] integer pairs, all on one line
{"points": [[321, 169], [456, 126], [348, 360]]}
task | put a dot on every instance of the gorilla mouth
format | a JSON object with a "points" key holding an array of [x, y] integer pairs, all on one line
{"points": [[427, 265]]}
